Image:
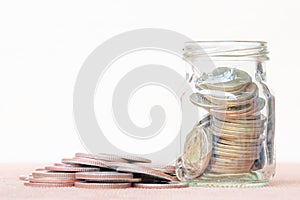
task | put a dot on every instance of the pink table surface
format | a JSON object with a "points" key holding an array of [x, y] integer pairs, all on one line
{"points": [[286, 185]]}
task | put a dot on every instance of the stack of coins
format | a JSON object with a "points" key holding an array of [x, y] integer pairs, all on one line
{"points": [[104, 171], [236, 123]]}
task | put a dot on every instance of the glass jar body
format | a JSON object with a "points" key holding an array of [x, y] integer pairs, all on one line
{"points": [[232, 144]]}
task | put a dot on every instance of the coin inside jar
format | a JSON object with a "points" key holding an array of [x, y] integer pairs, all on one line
{"points": [[236, 124], [227, 79]]}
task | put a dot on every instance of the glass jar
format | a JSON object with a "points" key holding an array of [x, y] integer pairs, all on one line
{"points": [[232, 144]]}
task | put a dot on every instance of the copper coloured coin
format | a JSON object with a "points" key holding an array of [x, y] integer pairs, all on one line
{"points": [[113, 180], [51, 180], [103, 175], [107, 177], [131, 158], [49, 184], [71, 169], [85, 161], [89, 185], [115, 165], [53, 174], [101, 156], [40, 169], [67, 165], [163, 168], [160, 186], [239, 123], [24, 177], [146, 171]]}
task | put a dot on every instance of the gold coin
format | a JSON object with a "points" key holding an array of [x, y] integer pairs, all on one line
{"points": [[241, 142], [235, 151], [259, 119], [241, 111], [231, 161], [237, 130], [233, 109], [234, 89], [231, 165], [228, 125], [236, 147], [226, 171], [239, 137], [222, 154]]}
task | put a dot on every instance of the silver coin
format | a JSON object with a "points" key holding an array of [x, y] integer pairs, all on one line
{"points": [[227, 79], [197, 149], [251, 91], [198, 100]]}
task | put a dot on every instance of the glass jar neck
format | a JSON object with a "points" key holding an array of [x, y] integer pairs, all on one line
{"points": [[226, 50]]}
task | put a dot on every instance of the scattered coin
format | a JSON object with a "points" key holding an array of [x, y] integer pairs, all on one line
{"points": [[85, 161], [67, 165], [115, 165], [103, 175], [48, 174], [49, 184], [101, 156], [24, 177], [160, 186], [51, 180], [83, 171], [146, 171], [198, 100], [71, 169], [133, 159], [90, 185], [169, 169]]}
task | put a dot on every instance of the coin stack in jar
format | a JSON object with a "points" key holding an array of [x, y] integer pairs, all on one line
{"points": [[236, 123]]}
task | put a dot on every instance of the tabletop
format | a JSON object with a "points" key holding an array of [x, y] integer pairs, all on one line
{"points": [[286, 185]]}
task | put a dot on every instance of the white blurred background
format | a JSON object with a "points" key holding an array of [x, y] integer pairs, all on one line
{"points": [[43, 45]]}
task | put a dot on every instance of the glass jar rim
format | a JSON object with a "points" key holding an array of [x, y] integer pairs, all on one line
{"points": [[228, 41], [242, 49]]}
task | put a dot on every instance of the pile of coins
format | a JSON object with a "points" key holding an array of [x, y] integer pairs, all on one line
{"points": [[104, 171], [235, 123]]}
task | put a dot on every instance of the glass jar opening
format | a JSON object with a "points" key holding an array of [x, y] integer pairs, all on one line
{"points": [[226, 50]]}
